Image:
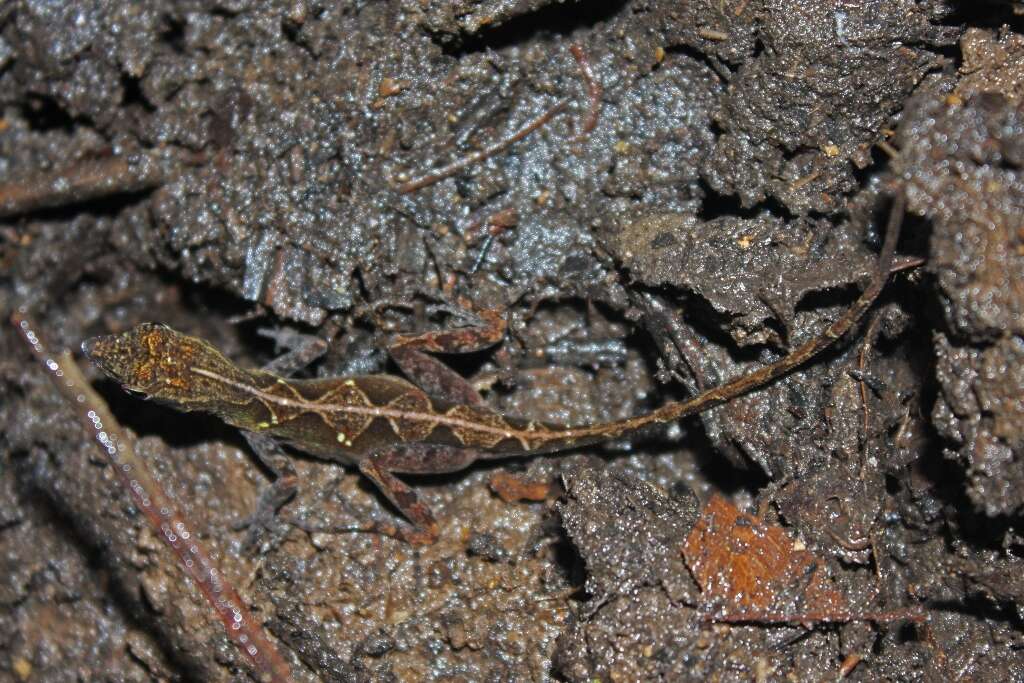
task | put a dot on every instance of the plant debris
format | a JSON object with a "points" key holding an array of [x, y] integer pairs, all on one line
{"points": [[658, 196], [749, 571]]}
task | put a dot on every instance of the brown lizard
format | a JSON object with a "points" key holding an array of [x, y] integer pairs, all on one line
{"points": [[387, 425]]}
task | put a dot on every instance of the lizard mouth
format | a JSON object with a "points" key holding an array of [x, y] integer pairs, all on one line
{"points": [[100, 350], [103, 352]]}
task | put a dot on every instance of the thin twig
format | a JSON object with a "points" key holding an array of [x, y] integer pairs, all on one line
{"points": [[594, 89], [482, 255], [863, 357], [682, 338], [79, 183], [157, 507], [490, 150], [906, 263], [891, 151], [497, 223]]}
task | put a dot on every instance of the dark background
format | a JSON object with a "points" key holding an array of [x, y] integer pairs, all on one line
{"points": [[240, 166]]}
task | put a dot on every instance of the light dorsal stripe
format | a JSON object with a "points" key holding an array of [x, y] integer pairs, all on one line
{"points": [[453, 422]]}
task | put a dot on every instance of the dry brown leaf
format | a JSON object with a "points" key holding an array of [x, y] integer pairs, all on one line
{"points": [[751, 571]]}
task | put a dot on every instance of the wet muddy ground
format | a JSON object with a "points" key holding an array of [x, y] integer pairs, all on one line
{"points": [[660, 196]]}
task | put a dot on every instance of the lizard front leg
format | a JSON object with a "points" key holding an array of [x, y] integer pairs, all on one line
{"points": [[302, 350], [273, 497]]}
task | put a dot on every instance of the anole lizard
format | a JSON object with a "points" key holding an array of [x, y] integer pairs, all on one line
{"points": [[387, 425]]}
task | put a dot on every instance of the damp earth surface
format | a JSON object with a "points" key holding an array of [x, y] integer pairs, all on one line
{"points": [[659, 196]]}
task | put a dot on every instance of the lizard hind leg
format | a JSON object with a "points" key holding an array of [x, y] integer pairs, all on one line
{"points": [[433, 376], [419, 458]]}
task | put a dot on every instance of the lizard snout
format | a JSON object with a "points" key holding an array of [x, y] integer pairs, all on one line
{"points": [[91, 347]]}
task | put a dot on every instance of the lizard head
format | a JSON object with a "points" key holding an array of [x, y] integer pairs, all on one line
{"points": [[163, 364]]}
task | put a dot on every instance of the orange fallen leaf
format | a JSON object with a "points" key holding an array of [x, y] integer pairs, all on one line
{"points": [[751, 571]]}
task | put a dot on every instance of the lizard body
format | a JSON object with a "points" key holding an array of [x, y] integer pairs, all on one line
{"points": [[385, 424]]}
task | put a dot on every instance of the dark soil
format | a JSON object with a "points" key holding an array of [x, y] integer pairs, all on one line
{"points": [[235, 166]]}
